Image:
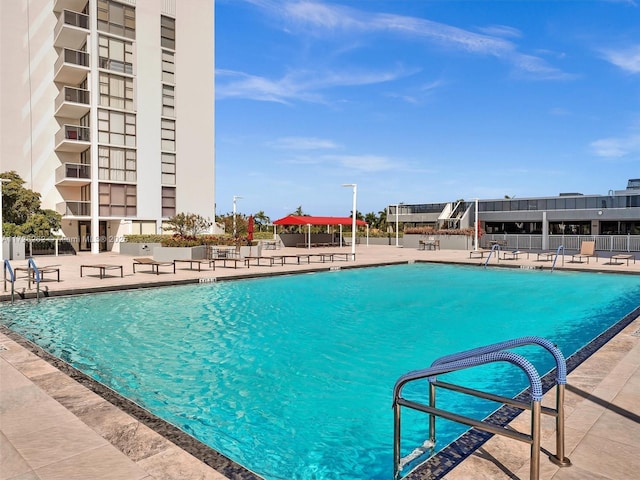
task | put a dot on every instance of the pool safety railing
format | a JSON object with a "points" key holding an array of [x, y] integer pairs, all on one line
{"points": [[12, 278], [33, 273], [493, 249], [476, 357], [561, 247]]}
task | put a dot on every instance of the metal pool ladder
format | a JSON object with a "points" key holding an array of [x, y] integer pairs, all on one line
{"points": [[493, 249], [33, 271], [471, 358], [12, 278], [561, 247]]}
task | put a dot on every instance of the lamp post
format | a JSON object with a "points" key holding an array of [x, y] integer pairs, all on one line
{"points": [[2, 180], [235, 197], [397, 207], [475, 243], [353, 221]]}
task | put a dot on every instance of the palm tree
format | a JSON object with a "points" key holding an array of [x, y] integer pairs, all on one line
{"points": [[371, 219], [261, 220], [382, 215], [299, 213]]}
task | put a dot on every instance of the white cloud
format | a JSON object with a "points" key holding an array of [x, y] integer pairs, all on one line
{"points": [[315, 17], [627, 59], [301, 85], [501, 31], [364, 163], [303, 143], [616, 147]]}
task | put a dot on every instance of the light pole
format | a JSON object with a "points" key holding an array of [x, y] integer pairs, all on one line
{"points": [[235, 197], [2, 180], [475, 243], [353, 221], [397, 206]]}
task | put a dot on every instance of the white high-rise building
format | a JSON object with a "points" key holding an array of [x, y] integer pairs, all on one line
{"points": [[107, 110]]}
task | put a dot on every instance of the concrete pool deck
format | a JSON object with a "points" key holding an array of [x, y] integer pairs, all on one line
{"points": [[54, 427]]}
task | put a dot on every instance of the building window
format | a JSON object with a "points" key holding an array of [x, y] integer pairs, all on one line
{"points": [[168, 201], [168, 32], [116, 91], [115, 54], [168, 135], [116, 164], [116, 18], [168, 169], [168, 101], [117, 200], [168, 67], [116, 128]]}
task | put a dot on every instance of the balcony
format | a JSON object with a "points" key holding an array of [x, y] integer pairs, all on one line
{"points": [[71, 67], [73, 174], [72, 102], [75, 5], [72, 138], [71, 30], [74, 209]]}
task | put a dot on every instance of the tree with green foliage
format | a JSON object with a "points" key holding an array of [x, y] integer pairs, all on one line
{"points": [[21, 212], [187, 224], [261, 220], [227, 220], [298, 212]]}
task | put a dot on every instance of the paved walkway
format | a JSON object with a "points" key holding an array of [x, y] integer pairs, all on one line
{"points": [[53, 427]]}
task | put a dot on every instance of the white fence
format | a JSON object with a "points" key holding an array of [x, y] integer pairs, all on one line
{"points": [[604, 243]]}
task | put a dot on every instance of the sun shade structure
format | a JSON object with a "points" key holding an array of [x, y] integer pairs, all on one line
{"points": [[308, 220]]}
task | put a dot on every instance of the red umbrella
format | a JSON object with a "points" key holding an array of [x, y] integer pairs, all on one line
{"points": [[250, 228]]}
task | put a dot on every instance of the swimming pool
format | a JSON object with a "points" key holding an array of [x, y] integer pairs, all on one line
{"points": [[292, 376]]}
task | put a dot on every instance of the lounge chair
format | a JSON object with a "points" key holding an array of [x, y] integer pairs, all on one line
{"points": [[478, 253], [102, 269], [155, 264], [587, 250], [545, 256]]}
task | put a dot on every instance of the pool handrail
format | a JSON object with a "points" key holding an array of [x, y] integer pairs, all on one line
{"points": [[561, 247], [12, 278], [493, 248], [560, 380], [561, 364], [31, 265], [536, 399]]}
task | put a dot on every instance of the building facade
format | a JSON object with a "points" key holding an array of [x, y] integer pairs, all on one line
{"points": [[616, 213], [107, 111]]}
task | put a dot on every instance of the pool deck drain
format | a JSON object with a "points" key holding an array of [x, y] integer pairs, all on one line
{"points": [[52, 426]]}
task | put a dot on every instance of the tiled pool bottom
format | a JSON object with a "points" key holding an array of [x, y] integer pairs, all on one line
{"points": [[438, 467]]}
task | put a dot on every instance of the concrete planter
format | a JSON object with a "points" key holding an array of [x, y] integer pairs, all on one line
{"points": [[253, 251], [138, 249], [167, 254]]}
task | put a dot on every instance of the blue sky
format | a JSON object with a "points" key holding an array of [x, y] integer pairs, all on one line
{"points": [[421, 101]]}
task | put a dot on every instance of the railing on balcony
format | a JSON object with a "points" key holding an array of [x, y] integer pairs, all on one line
{"points": [[75, 57], [74, 209], [75, 19], [71, 30], [73, 95], [76, 132], [76, 95], [74, 171]]}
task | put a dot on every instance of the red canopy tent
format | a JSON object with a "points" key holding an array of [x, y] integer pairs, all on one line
{"points": [[308, 220]]}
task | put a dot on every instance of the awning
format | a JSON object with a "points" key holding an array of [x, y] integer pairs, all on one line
{"points": [[309, 220]]}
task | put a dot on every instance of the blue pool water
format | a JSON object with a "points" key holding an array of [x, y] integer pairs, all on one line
{"points": [[292, 376]]}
